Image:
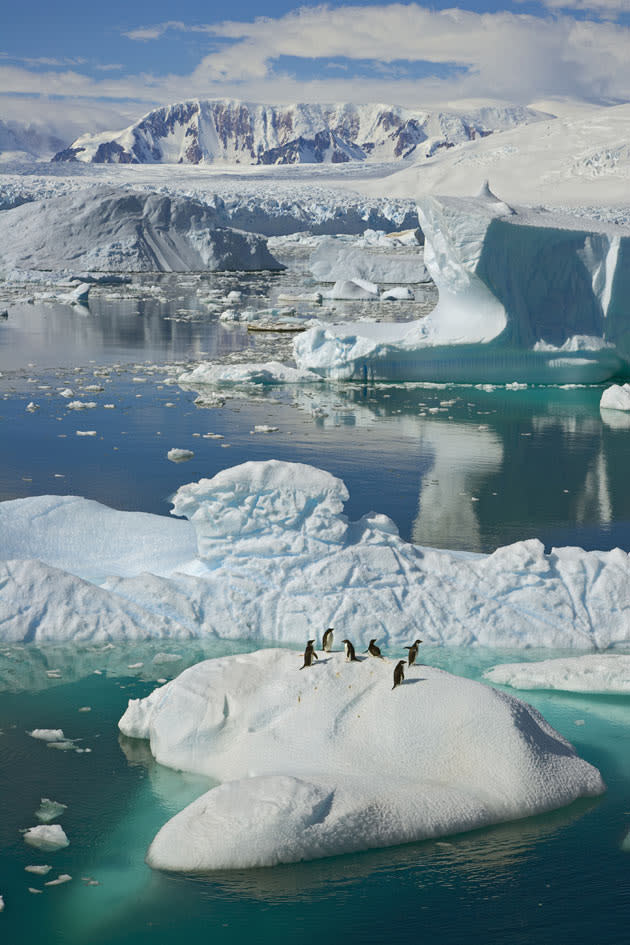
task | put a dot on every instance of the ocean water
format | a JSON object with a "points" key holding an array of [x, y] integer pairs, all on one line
{"points": [[456, 467]]}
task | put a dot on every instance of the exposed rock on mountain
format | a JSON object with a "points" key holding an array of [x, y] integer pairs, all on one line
{"points": [[232, 132]]}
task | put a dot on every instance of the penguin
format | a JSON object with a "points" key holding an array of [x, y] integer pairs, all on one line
{"points": [[413, 651], [373, 650], [309, 654], [350, 654], [399, 673], [327, 640]]}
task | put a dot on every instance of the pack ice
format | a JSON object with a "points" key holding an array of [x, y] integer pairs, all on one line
{"points": [[330, 760], [120, 230], [267, 553], [524, 295]]}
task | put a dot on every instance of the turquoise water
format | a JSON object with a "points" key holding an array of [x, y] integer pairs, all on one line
{"points": [[556, 878], [456, 467]]}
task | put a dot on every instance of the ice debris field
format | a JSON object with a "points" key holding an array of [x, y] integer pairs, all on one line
{"points": [[307, 757], [265, 551]]}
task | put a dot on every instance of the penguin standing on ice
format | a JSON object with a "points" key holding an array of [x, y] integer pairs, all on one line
{"points": [[373, 650], [413, 651], [351, 656], [327, 640], [309, 654], [399, 673]]}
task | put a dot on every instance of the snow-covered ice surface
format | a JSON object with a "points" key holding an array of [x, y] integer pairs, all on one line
{"points": [[524, 295], [330, 760], [616, 397], [593, 672], [266, 550], [114, 230], [334, 260]]}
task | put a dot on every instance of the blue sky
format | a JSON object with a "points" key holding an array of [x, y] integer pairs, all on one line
{"points": [[105, 64]]}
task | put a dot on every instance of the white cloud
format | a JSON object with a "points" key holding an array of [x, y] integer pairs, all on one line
{"points": [[608, 9], [145, 33], [501, 56]]}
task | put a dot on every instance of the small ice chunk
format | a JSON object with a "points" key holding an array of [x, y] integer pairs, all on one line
{"points": [[49, 810], [48, 734], [264, 428], [67, 392], [62, 878], [81, 404], [179, 456], [399, 293], [48, 837], [32, 407], [85, 708], [616, 397], [135, 665], [38, 870], [85, 432], [350, 289]]}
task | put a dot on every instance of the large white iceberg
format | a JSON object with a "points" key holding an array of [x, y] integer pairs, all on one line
{"points": [[593, 672], [119, 230], [330, 760], [267, 553], [524, 295]]}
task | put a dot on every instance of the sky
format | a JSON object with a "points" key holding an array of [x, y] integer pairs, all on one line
{"points": [[84, 67]]}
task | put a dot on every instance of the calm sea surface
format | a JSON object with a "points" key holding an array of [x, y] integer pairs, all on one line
{"points": [[455, 467]]}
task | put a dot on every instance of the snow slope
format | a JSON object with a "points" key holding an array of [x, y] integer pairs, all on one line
{"points": [[524, 295], [114, 230], [329, 760], [267, 553], [233, 132]]}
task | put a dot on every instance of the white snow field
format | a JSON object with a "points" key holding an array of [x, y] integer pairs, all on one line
{"points": [[115, 230], [616, 397], [523, 295], [267, 554], [593, 672], [330, 760]]}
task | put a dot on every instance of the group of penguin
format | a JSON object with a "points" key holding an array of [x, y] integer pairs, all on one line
{"points": [[372, 650]]}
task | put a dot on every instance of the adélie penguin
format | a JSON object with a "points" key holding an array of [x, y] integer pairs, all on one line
{"points": [[413, 651], [309, 654], [373, 650], [327, 640], [350, 654], [399, 673]]}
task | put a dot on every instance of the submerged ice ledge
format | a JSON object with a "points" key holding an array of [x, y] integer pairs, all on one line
{"points": [[330, 760], [267, 553], [524, 295]]}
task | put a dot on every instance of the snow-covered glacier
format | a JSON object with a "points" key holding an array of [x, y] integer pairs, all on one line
{"points": [[265, 552], [112, 229], [524, 295], [331, 760]]}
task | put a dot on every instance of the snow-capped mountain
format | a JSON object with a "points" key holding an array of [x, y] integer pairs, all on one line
{"points": [[232, 132], [31, 142]]}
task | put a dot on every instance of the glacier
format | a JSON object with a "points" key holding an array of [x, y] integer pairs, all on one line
{"points": [[122, 230], [524, 295], [330, 760], [264, 551]]}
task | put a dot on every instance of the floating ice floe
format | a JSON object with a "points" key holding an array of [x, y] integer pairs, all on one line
{"points": [[524, 295], [47, 837], [115, 229], [336, 260], [48, 734], [38, 870], [269, 372], [265, 548], [616, 397], [49, 810], [593, 672], [177, 455], [330, 760], [61, 879]]}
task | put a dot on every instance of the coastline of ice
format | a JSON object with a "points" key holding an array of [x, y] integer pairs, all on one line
{"points": [[593, 672], [525, 295], [307, 758], [266, 551]]}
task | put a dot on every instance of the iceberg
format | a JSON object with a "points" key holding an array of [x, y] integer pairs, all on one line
{"points": [[524, 295], [118, 230], [616, 397], [334, 260], [47, 837], [331, 760], [266, 551], [593, 672]]}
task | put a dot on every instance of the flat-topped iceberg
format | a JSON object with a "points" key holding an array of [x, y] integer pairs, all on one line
{"points": [[330, 760], [593, 672], [267, 553], [524, 295], [118, 230]]}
